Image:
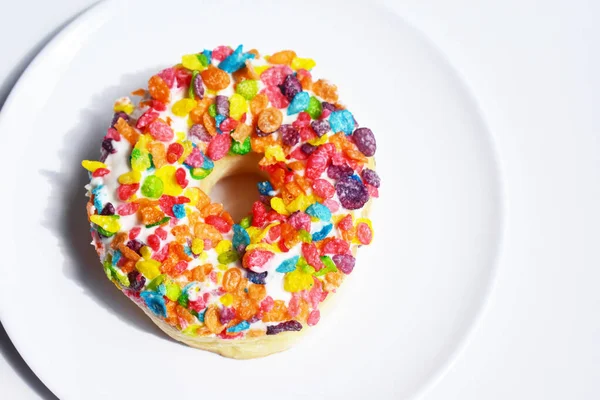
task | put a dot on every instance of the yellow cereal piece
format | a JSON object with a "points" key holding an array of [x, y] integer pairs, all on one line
{"points": [[222, 267], [123, 104], [226, 299], [274, 154], [219, 277], [146, 252], [109, 223], [182, 107], [301, 203], [149, 268], [259, 69], [130, 177], [167, 174], [191, 330], [237, 106], [265, 232], [264, 246], [193, 194], [187, 149], [278, 205], [92, 165], [319, 141], [223, 246], [180, 136], [191, 61], [297, 281], [253, 232], [197, 246], [303, 63]]}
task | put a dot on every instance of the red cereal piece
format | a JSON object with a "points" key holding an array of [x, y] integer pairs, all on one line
{"points": [[166, 204], [219, 223], [228, 125], [298, 154], [146, 119], [158, 105], [127, 209], [311, 254], [323, 188], [161, 233], [153, 242], [221, 52], [346, 223], [267, 304], [363, 232], [174, 151], [162, 254], [183, 77], [218, 146], [134, 232], [259, 214], [100, 172], [181, 177], [302, 121], [316, 164], [307, 133], [124, 192]]}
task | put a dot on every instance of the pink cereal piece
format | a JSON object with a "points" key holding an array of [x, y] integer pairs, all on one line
{"points": [[161, 233], [373, 191], [160, 130], [161, 255], [134, 232], [221, 52], [275, 75], [332, 205], [168, 75], [127, 208], [146, 119], [195, 159], [313, 318], [267, 304], [113, 134], [277, 99]]}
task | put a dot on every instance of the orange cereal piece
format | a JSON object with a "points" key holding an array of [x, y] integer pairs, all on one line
{"points": [[215, 78], [206, 231], [119, 239], [334, 278], [211, 319], [278, 313], [327, 91], [278, 178], [258, 144], [198, 112], [227, 217], [158, 89], [257, 292], [286, 196], [171, 314], [283, 57], [305, 81], [150, 215], [211, 209], [139, 92], [159, 153], [259, 103], [290, 236], [182, 312], [177, 249], [247, 309], [241, 75], [127, 131], [294, 189], [128, 253], [296, 166], [231, 279], [255, 52], [128, 266], [242, 132], [256, 333], [181, 233], [269, 120], [203, 200], [303, 314], [303, 182], [210, 124]]}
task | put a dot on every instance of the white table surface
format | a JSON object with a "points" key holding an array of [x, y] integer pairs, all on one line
{"points": [[534, 68]]}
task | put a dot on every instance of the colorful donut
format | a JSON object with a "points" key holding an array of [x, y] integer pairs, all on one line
{"points": [[244, 288]]}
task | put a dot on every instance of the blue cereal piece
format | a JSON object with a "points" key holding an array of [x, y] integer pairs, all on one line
{"points": [[235, 60], [299, 103], [242, 326], [342, 121], [218, 119], [155, 302], [208, 163], [201, 315], [240, 237], [265, 188], [98, 196], [322, 234], [208, 54], [179, 211], [320, 211], [288, 265], [116, 257]]}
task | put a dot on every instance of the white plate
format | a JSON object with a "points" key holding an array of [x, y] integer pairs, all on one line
{"points": [[415, 292]]}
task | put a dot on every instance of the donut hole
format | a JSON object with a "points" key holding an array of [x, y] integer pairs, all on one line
{"points": [[235, 186]]}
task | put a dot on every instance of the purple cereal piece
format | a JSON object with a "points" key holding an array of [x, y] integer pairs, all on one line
{"points": [[283, 327], [308, 148], [371, 177], [226, 315], [365, 141], [116, 117], [199, 86], [289, 135], [291, 87], [339, 171], [135, 245], [257, 277], [328, 106], [320, 126], [108, 146], [352, 193], [108, 209], [222, 103], [344, 262], [199, 132], [136, 280]]}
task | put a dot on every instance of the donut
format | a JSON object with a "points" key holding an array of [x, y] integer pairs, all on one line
{"points": [[244, 288]]}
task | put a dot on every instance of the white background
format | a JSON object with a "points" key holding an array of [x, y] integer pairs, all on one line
{"points": [[533, 67]]}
